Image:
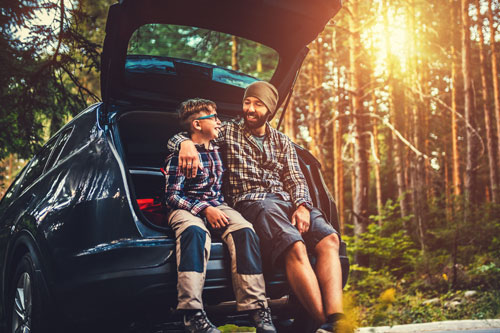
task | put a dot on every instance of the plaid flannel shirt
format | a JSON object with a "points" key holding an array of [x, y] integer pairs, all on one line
{"points": [[254, 173], [195, 194]]}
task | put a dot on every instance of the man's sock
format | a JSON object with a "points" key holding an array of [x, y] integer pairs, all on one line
{"points": [[335, 317]]}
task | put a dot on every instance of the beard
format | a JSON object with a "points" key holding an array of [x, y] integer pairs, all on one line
{"points": [[259, 121]]}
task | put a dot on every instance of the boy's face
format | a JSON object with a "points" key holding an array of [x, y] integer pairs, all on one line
{"points": [[255, 112], [208, 124]]}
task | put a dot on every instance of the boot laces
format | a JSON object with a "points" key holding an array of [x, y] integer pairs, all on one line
{"points": [[264, 313], [200, 320]]}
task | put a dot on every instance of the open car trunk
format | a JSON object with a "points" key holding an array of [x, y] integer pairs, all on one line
{"points": [[143, 137]]}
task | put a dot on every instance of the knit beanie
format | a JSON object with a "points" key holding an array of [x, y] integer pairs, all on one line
{"points": [[264, 91]]}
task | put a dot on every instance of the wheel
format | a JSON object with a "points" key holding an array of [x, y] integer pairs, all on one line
{"points": [[26, 307], [300, 321], [303, 323]]}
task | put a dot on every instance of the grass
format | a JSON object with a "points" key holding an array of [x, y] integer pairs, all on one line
{"points": [[233, 328]]}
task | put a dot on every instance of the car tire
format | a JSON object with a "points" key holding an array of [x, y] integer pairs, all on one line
{"points": [[26, 308], [303, 323], [300, 321]]}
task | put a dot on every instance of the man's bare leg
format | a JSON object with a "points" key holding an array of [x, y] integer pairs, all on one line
{"points": [[303, 281], [329, 273]]}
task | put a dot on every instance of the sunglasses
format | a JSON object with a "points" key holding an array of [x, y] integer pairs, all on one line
{"points": [[213, 115]]}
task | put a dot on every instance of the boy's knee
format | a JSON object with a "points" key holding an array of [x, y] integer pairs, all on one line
{"points": [[192, 246], [246, 244]]}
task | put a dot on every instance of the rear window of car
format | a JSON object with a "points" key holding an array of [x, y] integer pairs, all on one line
{"points": [[35, 168], [9, 195], [232, 60], [58, 147]]}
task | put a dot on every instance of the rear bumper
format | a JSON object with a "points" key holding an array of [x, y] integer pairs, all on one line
{"points": [[140, 278]]}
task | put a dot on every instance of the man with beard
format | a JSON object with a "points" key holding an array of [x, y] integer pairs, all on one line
{"points": [[268, 188]]}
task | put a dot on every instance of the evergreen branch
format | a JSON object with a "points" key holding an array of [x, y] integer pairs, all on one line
{"points": [[61, 28], [79, 85]]}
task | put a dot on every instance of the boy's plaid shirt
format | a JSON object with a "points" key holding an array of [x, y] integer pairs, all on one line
{"points": [[195, 194], [253, 173]]}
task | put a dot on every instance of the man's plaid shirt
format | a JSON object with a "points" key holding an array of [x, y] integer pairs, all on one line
{"points": [[195, 194], [252, 173]]}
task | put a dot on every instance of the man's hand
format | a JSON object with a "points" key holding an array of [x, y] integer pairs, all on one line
{"points": [[301, 219], [189, 162], [216, 217]]}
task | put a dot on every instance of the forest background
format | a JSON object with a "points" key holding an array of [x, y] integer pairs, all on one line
{"points": [[398, 100]]}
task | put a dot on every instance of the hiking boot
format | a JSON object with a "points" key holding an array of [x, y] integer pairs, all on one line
{"points": [[261, 319], [199, 323]]}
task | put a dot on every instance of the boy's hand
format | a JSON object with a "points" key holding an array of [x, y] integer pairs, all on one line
{"points": [[301, 219], [216, 217], [189, 162]]}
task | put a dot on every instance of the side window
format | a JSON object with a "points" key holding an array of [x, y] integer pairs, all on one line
{"points": [[9, 195], [37, 165], [58, 147]]}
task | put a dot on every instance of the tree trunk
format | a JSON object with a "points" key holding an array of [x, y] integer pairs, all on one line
{"points": [[425, 116], [471, 139], [457, 180], [290, 121], [494, 70], [311, 112], [447, 189], [318, 79], [396, 99], [417, 163], [487, 118], [338, 170], [258, 65], [338, 165], [378, 185], [234, 54], [360, 204]]}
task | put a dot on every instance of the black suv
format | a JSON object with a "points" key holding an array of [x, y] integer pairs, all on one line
{"points": [[82, 228]]}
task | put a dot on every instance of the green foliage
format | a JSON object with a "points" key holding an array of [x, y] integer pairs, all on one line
{"points": [[460, 255], [388, 246], [405, 308], [205, 46], [366, 284], [233, 328], [39, 83], [486, 276]]}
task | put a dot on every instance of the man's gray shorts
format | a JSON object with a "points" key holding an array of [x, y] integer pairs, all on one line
{"points": [[271, 219]]}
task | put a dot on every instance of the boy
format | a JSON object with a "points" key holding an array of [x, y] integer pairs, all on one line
{"points": [[200, 197]]}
